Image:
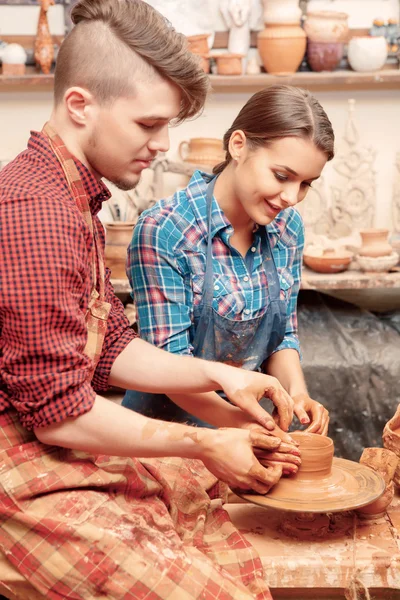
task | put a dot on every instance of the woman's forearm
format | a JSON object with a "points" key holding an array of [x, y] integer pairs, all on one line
{"points": [[285, 365], [141, 366], [209, 407]]}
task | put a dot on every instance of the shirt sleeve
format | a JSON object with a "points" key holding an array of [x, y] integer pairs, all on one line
{"points": [[44, 274], [159, 290], [295, 232]]}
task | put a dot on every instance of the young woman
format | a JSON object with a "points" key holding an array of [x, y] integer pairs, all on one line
{"points": [[215, 269]]}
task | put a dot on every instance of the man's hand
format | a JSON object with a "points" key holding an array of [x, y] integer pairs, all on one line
{"points": [[308, 410], [228, 454], [246, 388]]}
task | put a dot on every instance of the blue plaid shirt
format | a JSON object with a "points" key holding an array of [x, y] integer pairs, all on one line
{"points": [[167, 261]]}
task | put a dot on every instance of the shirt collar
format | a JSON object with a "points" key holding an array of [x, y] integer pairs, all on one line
{"points": [[196, 192], [96, 191]]}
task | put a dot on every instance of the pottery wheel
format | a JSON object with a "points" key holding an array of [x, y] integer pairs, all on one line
{"points": [[349, 485]]}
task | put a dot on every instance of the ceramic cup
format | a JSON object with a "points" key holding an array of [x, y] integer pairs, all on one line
{"points": [[367, 53]]}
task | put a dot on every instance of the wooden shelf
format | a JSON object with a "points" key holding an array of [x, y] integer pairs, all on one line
{"points": [[388, 78]]}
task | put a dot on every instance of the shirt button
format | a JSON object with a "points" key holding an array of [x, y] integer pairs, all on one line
{"points": [[245, 278], [247, 311], [216, 288], [253, 249]]}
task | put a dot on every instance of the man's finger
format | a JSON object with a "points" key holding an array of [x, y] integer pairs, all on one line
{"points": [[287, 468], [254, 410], [278, 457], [261, 440], [269, 476]]}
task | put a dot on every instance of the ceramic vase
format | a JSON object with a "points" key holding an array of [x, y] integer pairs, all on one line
{"points": [[118, 237], [281, 11], [202, 151], [367, 53], [375, 243], [44, 49], [327, 32], [282, 47]]}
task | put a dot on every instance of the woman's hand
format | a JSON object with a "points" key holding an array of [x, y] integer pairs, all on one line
{"points": [[229, 455], [308, 410], [246, 388]]}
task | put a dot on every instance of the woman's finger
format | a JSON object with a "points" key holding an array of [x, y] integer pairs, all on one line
{"points": [[259, 439], [283, 404]]}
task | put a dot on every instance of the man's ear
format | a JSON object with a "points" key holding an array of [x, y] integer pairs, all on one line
{"points": [[78, 103]]}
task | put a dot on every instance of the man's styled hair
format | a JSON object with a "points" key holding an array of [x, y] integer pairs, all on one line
{"points": [[117, 42]]}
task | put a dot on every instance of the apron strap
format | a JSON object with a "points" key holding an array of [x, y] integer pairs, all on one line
{"points": [[74, 182]]}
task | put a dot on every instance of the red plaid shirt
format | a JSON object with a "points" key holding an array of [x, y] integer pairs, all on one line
{"points": [[45, 280]]}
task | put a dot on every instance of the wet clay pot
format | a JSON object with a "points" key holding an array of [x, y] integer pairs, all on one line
{"points": [[375, 243], [323, 483], [323, 56], [118, 238], [282, 47], [391, 441], [202, 151]]}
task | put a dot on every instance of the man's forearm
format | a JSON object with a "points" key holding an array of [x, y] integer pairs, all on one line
{"points": [[143, 367], [116, 431]]}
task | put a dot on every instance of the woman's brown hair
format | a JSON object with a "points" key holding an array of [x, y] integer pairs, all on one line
{"points": [[277, 112], [115, 41]]}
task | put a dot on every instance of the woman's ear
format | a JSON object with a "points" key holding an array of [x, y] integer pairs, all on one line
{"points": [[237, 145]]}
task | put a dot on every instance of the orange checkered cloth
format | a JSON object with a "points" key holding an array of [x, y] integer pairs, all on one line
{"points": [[79, 526]]}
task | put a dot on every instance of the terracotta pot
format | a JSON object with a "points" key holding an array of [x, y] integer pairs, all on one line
{"points": [[367, 53], [118, 238], [282, 48], [327, 26], [375, 243], [205, 62], [324, 56], [229, 64], [330, 262], [198, 44], [391, 441], [10, 69], [202, 151], [281, 12]]}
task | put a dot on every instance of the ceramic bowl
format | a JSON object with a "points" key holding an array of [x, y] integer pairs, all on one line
{"points": [[331, 261], [378, 263], [367, 53]]}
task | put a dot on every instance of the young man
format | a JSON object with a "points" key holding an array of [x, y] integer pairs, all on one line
{"points": [[77, 520]]}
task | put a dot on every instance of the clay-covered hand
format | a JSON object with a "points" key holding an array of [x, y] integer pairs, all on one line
{"points": [[229, 455], [308, 410], [245, 390], [287, 455]]}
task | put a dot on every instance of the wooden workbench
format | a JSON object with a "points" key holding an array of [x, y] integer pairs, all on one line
{"points": [[323, 568]]}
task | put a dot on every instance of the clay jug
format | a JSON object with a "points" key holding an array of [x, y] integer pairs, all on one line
{"points": [[282, 47], [202, 151], [375, 243], [118, 238]]}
